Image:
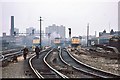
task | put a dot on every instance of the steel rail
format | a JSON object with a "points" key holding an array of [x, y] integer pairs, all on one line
{"points": [[81, 70], [93, 68], [34, 70], [62, 75]]}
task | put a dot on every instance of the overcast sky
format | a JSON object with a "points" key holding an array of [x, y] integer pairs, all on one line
{"points": [[100, 14]]}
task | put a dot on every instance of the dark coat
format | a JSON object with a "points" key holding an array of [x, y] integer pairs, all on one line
{"points": [[25, 51], [37, 50]]}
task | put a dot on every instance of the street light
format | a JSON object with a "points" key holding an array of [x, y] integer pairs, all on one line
{"points": [[40, 32]]}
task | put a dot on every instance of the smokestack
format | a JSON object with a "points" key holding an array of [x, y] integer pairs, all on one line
{"points": [[12, 26]]}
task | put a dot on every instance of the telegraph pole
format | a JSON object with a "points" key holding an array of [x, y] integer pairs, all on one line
{"points": [[87, 33], [40, 33]]}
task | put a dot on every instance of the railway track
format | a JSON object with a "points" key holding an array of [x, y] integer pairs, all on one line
{"points": [[69, 59], [8, 56], [59, 64], [41, 68], [102, 53], [10, 53]]}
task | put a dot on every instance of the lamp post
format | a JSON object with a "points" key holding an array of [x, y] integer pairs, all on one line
{"points": [[40, 32]]}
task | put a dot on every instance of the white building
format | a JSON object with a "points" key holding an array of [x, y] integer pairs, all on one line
{"points": [[60, 30]]}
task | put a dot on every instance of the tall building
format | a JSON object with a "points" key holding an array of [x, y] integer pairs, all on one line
{"points": [[12, 26], [58, 29], [119, 16], [62, 31]]}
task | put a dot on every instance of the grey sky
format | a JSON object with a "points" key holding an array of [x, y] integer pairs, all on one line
{"points": [[70, 13]]}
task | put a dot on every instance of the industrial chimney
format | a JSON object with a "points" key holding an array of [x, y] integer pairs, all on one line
{"points": [[12, 26]]}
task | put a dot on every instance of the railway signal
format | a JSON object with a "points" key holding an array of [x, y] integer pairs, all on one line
{"points": [[69, 32]]}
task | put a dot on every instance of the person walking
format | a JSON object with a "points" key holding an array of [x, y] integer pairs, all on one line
{"points": [[37, 50], [25, 52]]}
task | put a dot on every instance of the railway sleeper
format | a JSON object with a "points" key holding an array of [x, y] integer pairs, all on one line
{"points": [[47, 73], [43, 70], [66, 71]]}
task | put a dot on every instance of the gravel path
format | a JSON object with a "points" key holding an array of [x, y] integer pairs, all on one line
{"points": [[18, 69], [99, 62]]}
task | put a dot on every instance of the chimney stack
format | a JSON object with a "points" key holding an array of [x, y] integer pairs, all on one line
{"points": [[12, 26]]}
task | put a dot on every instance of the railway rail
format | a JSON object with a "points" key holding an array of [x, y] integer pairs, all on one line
{"points": [[9, 51], [41, 68], [104, 53], [74, 62], [81, 70], [8, 56], [64, 66], [58, 63], [60, 66]]}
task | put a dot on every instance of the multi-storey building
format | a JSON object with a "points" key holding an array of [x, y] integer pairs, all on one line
{"points": [[58, 29]]}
